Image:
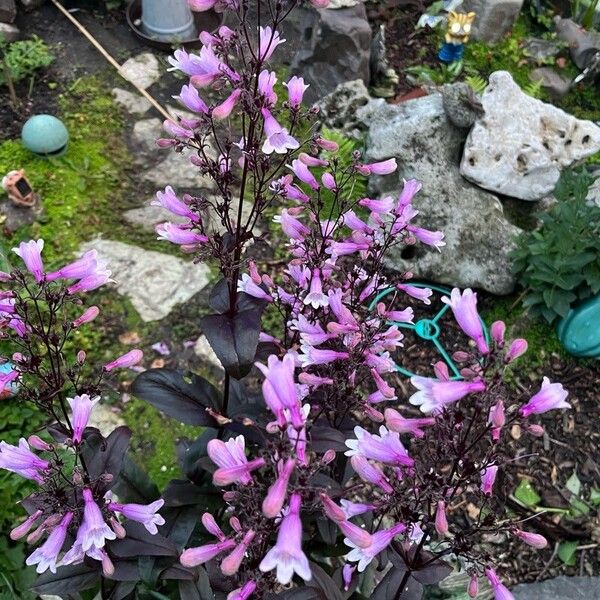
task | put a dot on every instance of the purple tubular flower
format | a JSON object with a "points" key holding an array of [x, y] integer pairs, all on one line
{"points": [[273, 502], [176, 130], [441, 522], [535, 540], [421, 294], [230, 456], [516, 349], [211, 526], [396, 422], [23, 529], [131, 358], [247, 285], [266, 82], [46, 555], [178, 235], [409, 191], [316, 297], [146, 514], [352, 509], [465, 312], [230, 565], [383, 206], [169, 200], [87, 265], [87, 317], [6, 380], [81, 408], [291, 226], [370, 473], [296, 88], [379, 168], [355, 534], [278, 138], [433, 394], [551, 396], [497, 419], [348, 570], [22, 461], [192, 557], [381, 540], [386, 447], [223, 110], [337, 249], [244, 592], [31, 254], [431, 238], [473, 587], [190, 98], [316, 356], [302, 172], [287, 555], [95, 530], [500, 590], [90, 283], [498, 329], [488, 477], [268, 41]]}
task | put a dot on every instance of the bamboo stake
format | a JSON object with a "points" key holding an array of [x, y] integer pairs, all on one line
{"points": [[110, 59]]}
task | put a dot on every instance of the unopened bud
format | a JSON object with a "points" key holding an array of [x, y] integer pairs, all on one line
{"points": [[535, 430], [473, 588], [77, 478], [106, 477], [328, 457], [166, 143], [39, 444], [460, 356], [19, 531], [108, 569], [235, 524], [117, 528], [497, 329], [18, 357], [81, 357], [230, 496]]}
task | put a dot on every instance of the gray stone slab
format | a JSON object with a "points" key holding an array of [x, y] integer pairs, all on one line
{"points": [[143, 70], [560, 588]]}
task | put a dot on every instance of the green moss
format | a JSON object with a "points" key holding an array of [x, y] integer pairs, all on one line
{"points": [[154, 439]]}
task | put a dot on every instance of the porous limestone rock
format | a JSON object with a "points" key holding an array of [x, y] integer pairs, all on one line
{"points": [[132, 103], [559, 588], [349, 108], [9, 32], [427, 147], [154, 282], [494, 19], [519, 146], [148, 216]]}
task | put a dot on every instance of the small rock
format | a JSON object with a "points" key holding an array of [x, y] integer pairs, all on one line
{"points": [[520, 153], [154, 282], [12, 216], [348, 108], [175, 170], [583, 45], [132, 103], [204, 351], [461, 103], [9, 32], [31, 4], [427, 147], [148, 216], [8, 11], [145, 134], [593, 195], [556, 84], [559, 588], [142, 70], [105, 419], [541, 50], [335, 47], [495, 18]]}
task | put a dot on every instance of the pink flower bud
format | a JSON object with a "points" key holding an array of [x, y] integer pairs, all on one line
{"points": [[535, 540], [440, 369], [328, 457], [461, 356], [133, 357], [89, 315], [273, 502], [473, 588], [81, 357], [441, 522], [535, 430], [328, 145], [22, 529], [39, 444], [332, 510], [498, 330], [517, 348], [211, 526]]}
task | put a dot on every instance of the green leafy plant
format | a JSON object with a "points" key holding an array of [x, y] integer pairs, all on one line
{"points": [[23, 58], [559, 264], [533, 88], [445, 73], [477, 83]]}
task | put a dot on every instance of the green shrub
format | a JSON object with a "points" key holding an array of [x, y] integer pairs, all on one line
{"points": [[24, 57], [559, 264]]}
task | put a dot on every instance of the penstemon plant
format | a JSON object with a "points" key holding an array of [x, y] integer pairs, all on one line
{"points": [[307, 480]]}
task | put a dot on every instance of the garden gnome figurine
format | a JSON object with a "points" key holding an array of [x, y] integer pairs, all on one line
{"points": [[457, 35]]}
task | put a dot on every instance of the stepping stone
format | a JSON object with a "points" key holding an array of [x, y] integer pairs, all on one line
{"points": [[143, 70], [154, 282], [148, 216], [105, 419], [132, 103], [560, 588]]}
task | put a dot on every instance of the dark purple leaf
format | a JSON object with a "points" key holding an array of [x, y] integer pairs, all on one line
{"points": [[320, 579], [183, 397], [325, 438], [134, 485], [140, 542], [432, 573], [196, 590], [328, 530], [106, 455], [121, 590], [189, 454], [180, 492], [219, 299], [234, 339], [389, 586], [300, 593], [126, 570], [67, 580], [178, 573], [180, 523]]}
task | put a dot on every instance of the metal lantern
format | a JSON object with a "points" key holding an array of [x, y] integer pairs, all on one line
{"points": [[45, 135], [428, 330]]}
